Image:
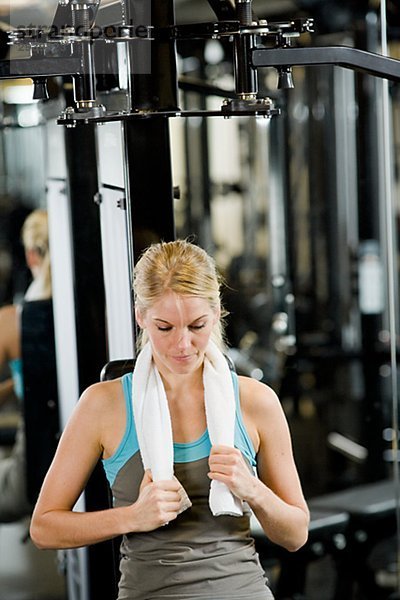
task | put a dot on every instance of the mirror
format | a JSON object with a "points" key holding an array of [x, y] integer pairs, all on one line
{"points": [[27, 407]]}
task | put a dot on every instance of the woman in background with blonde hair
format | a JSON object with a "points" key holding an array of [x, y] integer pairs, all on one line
{"points": [[180, 439], [13, 498]]}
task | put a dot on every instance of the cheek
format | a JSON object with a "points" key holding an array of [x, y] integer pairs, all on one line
{"points": [[155, 338], [204, 337]]}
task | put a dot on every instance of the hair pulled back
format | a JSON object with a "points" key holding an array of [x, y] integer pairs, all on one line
{"points": [[35, 236], [180, 267]]}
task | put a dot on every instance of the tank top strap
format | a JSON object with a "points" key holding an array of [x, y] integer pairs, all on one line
{"points": [[129, 444], [15, 366], [242, 438]]}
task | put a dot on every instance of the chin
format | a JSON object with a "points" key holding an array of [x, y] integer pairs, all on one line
{"points": [[185, 364]]}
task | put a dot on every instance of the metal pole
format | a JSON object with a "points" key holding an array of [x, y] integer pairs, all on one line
{"points": [[392, 275]]}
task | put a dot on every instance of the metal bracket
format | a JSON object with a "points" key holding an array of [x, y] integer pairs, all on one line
{"points": [[73, 55], [231, 108]]}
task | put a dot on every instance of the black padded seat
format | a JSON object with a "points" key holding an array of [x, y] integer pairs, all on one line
{"points": [[324, 523], [367, 501], [327, 536], [117, 368], [372, 518]]}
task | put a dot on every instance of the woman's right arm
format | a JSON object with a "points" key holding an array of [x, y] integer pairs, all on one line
{"points": [[9, 334], [54, 523], [9, 346], [6, 390]]}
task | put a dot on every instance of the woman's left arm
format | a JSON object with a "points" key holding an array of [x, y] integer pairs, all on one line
{"points": [[275, 497]]}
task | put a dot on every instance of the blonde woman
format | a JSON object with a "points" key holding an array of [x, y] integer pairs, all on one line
{"points": [[182, 537], [13, 496]]}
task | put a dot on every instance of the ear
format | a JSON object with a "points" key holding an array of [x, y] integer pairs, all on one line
{"points": [[217, 315], [139, 318], [32, 258]]}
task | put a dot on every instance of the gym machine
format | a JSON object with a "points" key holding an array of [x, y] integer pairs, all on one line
{"points": [[129, 47]]}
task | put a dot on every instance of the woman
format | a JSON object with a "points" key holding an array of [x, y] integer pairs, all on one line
{"points": [[13, 496], [173, 545]]}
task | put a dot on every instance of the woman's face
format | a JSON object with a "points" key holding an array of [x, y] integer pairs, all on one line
{"points": [[179, 328]]}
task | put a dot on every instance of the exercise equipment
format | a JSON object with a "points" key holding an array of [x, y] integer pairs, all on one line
{"points": [[345, 525], [40, 405]]}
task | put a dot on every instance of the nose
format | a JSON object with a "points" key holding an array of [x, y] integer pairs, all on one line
{"points": [[183, 339]]}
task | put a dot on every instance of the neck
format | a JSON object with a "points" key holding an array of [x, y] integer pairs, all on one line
{"points": [[176, 382]]}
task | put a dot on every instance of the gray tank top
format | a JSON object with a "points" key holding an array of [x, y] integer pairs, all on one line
{"points": [[197, 556]]}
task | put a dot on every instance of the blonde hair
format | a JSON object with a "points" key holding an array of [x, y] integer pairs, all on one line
{"points": [[180, 267], [35, 236]]}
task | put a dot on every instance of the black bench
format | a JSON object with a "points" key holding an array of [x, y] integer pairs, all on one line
{"points": [[346, 525], [327, 536], [372, 518]]}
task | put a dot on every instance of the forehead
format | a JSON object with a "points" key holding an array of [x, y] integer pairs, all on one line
{"points": [[175, 307]]}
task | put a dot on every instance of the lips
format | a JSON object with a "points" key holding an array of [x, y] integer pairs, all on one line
{"points": [[184, 358]]}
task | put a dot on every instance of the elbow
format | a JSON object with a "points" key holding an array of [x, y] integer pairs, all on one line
{"points": [[297, 535], [298, 540], [296, 543], [34, 533], [38, 535]]}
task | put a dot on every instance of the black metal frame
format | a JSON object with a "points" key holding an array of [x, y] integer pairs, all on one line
{"points": [[146, 140], [342, 56], [70, 49]]}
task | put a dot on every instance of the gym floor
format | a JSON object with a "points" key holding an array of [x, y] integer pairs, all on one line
{"points": [[27, 573]]}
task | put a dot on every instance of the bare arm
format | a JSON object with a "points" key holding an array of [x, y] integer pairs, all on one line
{"points": [[6, 390], [276, 496], [54, 523], [10, 346]]}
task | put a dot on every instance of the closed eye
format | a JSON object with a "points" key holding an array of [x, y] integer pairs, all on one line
{"points": [[192, 327]]}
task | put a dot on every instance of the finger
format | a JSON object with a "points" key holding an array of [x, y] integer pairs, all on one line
{"points": [[230, 456], [219, 477], [172, 508], [171, 497], [224, 469], [169, 485], [171, 513], [221, 449], [168, 515], [224, 459]]}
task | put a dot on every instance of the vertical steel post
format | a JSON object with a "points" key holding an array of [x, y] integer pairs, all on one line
{"points": [[369, 229], [148, 173], [90, 319]]}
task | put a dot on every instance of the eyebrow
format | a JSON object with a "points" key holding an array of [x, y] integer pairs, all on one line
{"points": [[191, 323]]}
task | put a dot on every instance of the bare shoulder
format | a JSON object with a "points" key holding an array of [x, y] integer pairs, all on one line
{"points": [[101, 409], [101, 399], [256, 396], [9, 318], [9, 332], [261, 409], [8, 312]]}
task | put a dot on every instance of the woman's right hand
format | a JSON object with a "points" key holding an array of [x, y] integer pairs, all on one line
{"points": [[159, 502]]}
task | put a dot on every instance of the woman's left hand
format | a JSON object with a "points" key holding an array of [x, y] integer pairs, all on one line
{"points": [[228, 465]]}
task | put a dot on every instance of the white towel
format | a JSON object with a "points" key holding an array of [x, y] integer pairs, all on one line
{"points": [[153, 421]]}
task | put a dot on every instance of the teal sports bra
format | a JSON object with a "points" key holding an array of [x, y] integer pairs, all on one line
{"points": [[16, 373], [183, 453]]}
